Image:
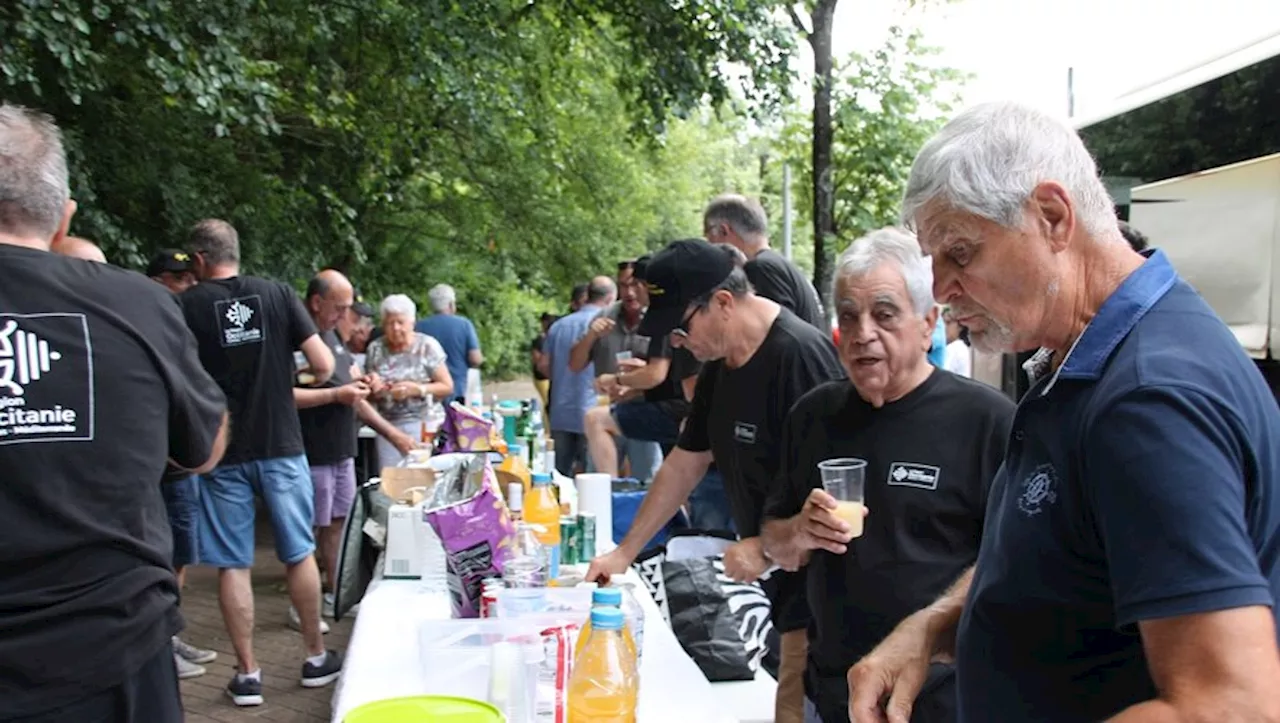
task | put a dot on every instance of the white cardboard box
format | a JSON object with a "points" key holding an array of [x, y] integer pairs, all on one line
{"points": [[405, 543]]}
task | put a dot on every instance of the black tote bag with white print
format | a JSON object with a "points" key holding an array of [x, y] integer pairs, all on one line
{"points": [[722, 624]]}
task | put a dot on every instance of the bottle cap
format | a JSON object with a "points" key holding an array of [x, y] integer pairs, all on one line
{"points": [[610, 596], [607, 618], [541, 478]]}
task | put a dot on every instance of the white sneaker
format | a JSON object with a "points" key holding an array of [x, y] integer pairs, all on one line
{"points": [[295, 621], [186, 668], [327, 605], [200, 656]]}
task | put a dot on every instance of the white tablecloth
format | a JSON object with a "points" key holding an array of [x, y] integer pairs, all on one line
{"points": [[382, 658]]}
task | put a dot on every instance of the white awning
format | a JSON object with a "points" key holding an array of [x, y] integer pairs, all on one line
{"points": [[1254, 52]]}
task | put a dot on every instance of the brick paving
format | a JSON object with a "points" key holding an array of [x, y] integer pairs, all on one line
{"points": [[278, 647]]}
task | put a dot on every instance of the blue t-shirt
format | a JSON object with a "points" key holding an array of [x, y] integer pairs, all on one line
{"points": [[457, 335], [938, 344], [572, 394], [1140, 482]]}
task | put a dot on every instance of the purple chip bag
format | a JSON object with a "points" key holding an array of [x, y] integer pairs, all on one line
{"points": [[477, 534], [466, 431]]}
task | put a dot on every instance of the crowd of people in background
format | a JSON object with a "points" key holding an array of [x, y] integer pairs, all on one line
{"points": [[1108, 549]]}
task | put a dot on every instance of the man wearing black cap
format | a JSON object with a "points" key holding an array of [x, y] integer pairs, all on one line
{"points": [[172, 268], [760, 358]]}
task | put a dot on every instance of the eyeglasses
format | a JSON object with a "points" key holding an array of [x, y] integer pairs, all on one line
{"points": [[682, 329]]}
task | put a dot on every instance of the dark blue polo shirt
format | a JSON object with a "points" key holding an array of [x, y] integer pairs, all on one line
{"points": [[1140, 482]]}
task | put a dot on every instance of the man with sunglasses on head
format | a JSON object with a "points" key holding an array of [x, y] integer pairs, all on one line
{"points": [[759, 359]]}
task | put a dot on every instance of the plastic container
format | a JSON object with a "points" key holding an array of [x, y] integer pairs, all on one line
{"points": [[605, 678], [541, 508], [439, 708], [456, 657], [513, 679]]}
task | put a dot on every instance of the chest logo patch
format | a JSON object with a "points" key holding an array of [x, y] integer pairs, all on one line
{"points": [[910, 474], [1039, 490], [240, 321], [46, 378], [744, 433]]}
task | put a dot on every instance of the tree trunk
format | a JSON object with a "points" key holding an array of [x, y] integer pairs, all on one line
{"points": [[824, 201]]}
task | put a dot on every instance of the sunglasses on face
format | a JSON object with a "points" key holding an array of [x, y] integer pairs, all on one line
{"points": [[682, 329]]}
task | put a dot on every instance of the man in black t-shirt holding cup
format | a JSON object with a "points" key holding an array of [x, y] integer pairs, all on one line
{"points": [[247, 329], [931, 441], [101, 391], [759, 359]]}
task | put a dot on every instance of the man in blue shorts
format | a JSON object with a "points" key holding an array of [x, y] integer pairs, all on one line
{"points": [[247, 330]]}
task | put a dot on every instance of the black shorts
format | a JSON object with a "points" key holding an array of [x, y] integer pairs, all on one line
{"points": [[150, 695]]}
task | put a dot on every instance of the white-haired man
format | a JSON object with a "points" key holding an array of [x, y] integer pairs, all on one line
{"points": [[456, 334], [1130, 561], [927, 492]]}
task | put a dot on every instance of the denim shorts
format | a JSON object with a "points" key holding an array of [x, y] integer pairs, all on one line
{"points": [[227, 511], [645, 421], [182, 502]]}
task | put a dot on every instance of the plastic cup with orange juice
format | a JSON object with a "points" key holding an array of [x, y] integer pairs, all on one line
{"points": [[845, 480]]}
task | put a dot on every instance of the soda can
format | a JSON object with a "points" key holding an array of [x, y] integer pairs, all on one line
{"points": [[587, 536], [570, 541], [489, 597]]}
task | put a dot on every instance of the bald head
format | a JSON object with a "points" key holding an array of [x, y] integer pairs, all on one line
{"points": [[329, 295], [602, 291], [79, 248]]}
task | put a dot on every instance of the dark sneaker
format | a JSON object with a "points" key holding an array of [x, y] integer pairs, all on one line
{"points": [[245, 691], [318, 676]]}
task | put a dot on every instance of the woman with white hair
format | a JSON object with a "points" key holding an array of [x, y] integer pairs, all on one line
{"points": [[412, 367]]}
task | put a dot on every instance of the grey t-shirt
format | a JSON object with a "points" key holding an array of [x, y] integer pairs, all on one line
{"points": [[604, 353], [418, 364]]}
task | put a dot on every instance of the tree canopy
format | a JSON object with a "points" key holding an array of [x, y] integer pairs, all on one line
{"points": [[510, 148]]}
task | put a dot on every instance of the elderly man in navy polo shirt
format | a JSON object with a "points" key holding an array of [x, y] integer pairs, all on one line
{"points": [[1130, 562]]}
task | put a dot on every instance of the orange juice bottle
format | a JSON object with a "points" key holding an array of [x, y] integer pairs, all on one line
{"points": [[604, 683], [605, 597], [541, 508]]}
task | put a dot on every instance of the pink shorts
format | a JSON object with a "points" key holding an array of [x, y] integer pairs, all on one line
{"points": [[335, 487]]}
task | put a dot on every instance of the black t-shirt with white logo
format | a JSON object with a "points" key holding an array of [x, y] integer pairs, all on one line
{"points": [[247, 329], [738, 414], [777, 279], [329, 431], [931, 456], [99, 385]]}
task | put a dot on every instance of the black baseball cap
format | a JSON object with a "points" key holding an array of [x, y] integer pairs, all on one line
{"points": [[171, 260], [677, 275]]}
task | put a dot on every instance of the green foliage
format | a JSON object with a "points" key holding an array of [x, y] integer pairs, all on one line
{"points": [[506, 147], [884, 107]]}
